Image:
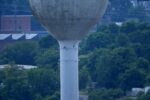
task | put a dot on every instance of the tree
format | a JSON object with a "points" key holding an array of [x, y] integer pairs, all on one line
{"points": [[139, 13], [34, 84], [84, 78], [93, 59], [15, 84], [43, 81], [106, 94], [106, 65], [56, 96], [20, 53], [122, 40], [97, 40], [132, 78], [48, 42], [48, 58], [129, 27], [144, 96], [121, 8]]}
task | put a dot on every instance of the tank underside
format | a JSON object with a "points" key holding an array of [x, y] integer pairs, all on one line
{"points": [[68, 19]]}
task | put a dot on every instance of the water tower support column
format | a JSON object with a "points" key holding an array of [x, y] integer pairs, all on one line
{"points": [[69, 70]]}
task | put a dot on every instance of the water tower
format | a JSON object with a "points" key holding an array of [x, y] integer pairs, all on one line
{"points": [[68, 21]]}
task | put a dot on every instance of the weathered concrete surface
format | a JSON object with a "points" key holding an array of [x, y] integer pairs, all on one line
{"points": [[69, 70], [68, 19]]}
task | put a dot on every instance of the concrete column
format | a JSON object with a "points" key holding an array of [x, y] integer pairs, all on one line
{"points": [[69, 70]]}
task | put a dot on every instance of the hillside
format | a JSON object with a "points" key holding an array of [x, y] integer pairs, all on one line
{"points": [[115, 58]]}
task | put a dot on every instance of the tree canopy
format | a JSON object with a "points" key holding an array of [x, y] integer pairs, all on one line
{"points": [[112, 61]]}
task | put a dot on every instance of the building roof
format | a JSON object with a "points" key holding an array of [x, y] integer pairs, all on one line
{"points": [[4, 36], [18, 36], [30, 36]]}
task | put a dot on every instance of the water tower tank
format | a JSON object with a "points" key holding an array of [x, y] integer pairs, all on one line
{"points": [[68, 21]]}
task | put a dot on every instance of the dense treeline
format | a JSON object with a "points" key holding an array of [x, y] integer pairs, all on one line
{"points": [[118, 57], [35, 84], [115, 58]]}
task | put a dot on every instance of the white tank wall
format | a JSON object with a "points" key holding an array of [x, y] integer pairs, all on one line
{"points": [[69, 70], [68, 19]]}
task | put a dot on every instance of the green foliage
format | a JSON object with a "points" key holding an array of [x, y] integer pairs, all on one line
{"points": [[47, 58], [122, 40], [144, 96], [15, 85], [129, 27], [97, 40], [43, 81], [132, 78], [84, 78], [139, 13], [56, 96], [106, 94], [120, 9], [117, 58], [34, 84], [107, 65], [48, 42], [20, 53]]}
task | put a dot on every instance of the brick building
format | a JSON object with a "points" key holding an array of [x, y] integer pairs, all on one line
{"points": [[15, 23], [14, 28]]}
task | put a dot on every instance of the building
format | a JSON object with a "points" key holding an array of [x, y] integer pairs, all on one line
{"points": [[9, 38], [19, 23], [135, 91], [144, 3], [16, 23], [15, 28]]}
